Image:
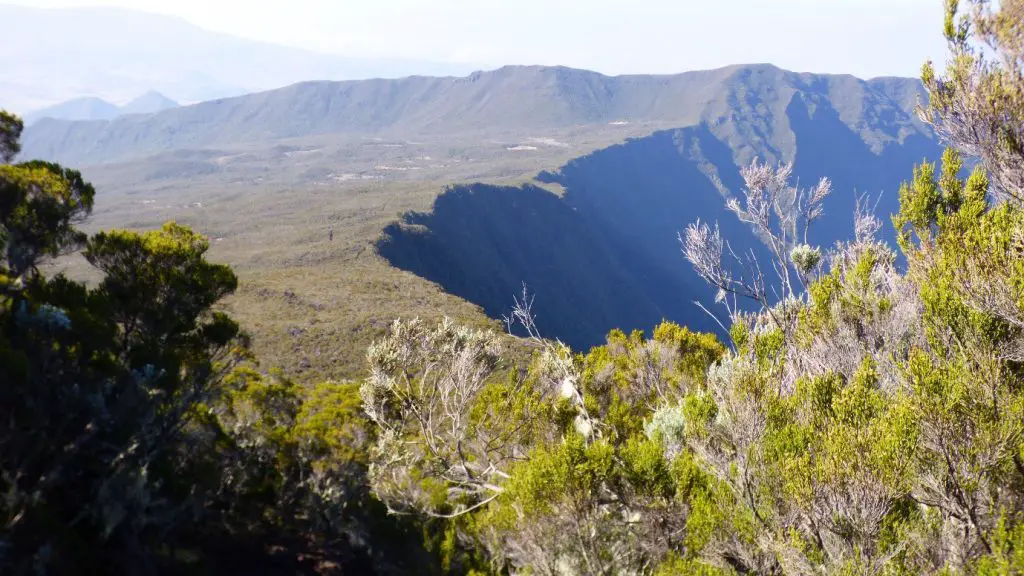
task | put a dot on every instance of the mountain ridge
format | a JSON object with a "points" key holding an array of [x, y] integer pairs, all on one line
{"points": [[511, 99]]}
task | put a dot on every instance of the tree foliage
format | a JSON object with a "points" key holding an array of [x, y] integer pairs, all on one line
{"points": [[977, 105], [10, 136], [137, 434]]}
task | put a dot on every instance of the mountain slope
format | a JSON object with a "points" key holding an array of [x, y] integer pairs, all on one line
{"points": [[51, 55], [507, 100], [625, 269]]}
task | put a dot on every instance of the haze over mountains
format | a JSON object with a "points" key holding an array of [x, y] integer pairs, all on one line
{"points": [[91, 108], [600, 254], [49, 56]]}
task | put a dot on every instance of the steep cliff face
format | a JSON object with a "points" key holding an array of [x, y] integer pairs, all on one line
{"points": [[483, 243], [606, 253]]}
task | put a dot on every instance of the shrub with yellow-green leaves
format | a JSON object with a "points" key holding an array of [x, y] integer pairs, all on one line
{"points": [[872, 425], [867, 420], [295, 461], [522, 477]]}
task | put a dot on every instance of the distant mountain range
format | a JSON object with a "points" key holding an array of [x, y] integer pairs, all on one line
{"points": [[49, 56], [747, 102], [91, 108]]}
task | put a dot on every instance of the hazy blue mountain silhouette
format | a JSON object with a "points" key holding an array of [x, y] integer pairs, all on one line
{"points": [[86, 108], [91, 108]]}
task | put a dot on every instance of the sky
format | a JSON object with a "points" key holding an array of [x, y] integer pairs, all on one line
{"points": [[867, 38]]}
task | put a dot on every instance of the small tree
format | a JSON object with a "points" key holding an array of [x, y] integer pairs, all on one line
{"points": [[442, 448], [977, 106], [102, 387], [10, 136], [780, 214]]}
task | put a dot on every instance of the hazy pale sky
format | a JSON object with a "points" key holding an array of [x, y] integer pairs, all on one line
{"points": [[862, 37]]}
